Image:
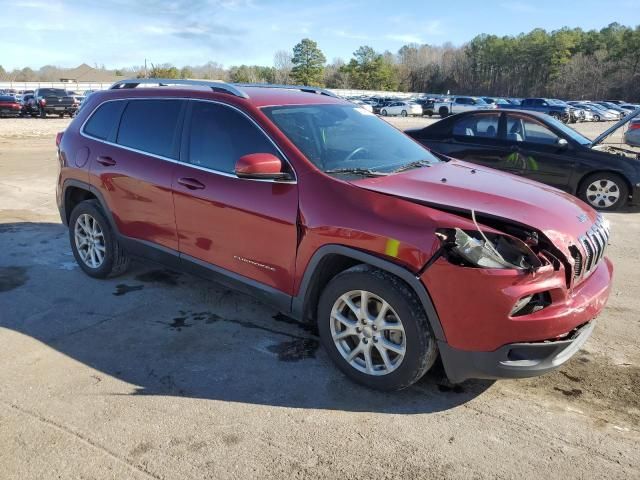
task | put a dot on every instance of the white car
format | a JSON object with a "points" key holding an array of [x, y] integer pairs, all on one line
{"points": [[402, 108], [452, 105]]}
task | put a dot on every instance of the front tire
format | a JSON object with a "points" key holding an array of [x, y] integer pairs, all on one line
{"points": [[403, 113], [383, 112], [93, 242], [443, 112], [604, 191], [375, 330]]}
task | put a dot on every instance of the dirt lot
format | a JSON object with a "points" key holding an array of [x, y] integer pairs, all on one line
{"points": [[160, 375]]}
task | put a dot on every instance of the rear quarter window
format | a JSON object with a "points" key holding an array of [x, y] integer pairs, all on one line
{"points": [[104, 120], [150, 126]]}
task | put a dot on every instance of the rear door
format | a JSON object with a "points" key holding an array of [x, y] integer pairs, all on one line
{"points": [[244, 226], [132, 165]]}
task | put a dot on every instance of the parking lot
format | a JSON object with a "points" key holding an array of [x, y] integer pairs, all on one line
{"points": [[158, 374]]}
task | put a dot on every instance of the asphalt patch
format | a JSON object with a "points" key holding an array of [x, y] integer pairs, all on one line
{"points": [[164, 277], [12, 278], [295, 350], [122, 289]]}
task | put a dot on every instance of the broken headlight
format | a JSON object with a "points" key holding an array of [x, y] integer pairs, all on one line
{"points": [[487, 250]]}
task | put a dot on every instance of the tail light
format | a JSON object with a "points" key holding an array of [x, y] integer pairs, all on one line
{"points": [[59, 138], [634, 126], [43, 102]]}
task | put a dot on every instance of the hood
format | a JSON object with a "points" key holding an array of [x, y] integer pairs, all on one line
{"points": [[615, 127], [461, 186]]}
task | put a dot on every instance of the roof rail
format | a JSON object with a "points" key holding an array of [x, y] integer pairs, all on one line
{"points": [[302, 88], [215, 85]]}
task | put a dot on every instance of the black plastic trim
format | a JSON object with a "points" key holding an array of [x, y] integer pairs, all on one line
{"points": [[515, 360], [299, 301]]}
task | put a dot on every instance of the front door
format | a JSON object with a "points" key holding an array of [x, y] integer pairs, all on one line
{"points": [[536, 152], [243, 226], [474, 138]]}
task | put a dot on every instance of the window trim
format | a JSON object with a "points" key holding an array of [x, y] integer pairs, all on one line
{"points": [[181, 132]]}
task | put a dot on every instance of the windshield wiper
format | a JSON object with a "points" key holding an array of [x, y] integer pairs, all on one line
{"points": [[416, 164], [357, 171]]}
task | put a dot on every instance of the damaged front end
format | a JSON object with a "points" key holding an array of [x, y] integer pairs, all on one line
{"points": [[499, 244], [487, 250]]}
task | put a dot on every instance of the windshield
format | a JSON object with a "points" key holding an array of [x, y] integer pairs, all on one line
{"points": [[570, 132], [346, 137], [479, 101]]}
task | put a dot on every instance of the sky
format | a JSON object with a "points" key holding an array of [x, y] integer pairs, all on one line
{"points": [[121, 33]]}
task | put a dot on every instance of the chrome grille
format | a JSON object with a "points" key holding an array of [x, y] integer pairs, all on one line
{"points": [[594, 243]]}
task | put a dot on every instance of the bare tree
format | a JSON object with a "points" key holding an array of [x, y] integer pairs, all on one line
{"points": [[283, 65]]}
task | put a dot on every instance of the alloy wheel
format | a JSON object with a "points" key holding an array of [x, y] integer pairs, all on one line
{"points": [[89, 240], [603, 193], [368, 333]]}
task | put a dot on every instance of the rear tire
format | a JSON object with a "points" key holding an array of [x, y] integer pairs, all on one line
{"points": [[403, 113], [596, 118], [107, 258], [443, 112], [390, 342], [383, 112], [604, 191]]}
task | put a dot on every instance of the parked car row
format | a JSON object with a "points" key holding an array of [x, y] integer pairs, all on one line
{"points": [[443, 106], [40, 102]]}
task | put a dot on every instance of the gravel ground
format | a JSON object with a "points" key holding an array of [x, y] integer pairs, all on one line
{"points": [[160, 375]]}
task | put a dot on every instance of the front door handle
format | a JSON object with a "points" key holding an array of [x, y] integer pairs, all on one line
{"points": [[106, 161], [191, 183]]}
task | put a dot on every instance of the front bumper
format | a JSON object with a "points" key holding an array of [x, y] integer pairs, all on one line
{"points": [[482, 340], [515, 360]]}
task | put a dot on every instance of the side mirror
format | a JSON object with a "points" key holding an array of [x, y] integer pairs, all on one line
{"points": [[562, 144], [264, 166]]}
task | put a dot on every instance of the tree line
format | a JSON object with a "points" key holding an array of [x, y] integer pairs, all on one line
{"points": [[565, 63]]}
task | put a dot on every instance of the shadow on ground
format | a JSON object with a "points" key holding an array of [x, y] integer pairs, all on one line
{"points": [[167, 333]]}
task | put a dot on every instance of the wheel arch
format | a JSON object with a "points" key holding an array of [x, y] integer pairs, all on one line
{"points": [[330, 260], [76, 191]]}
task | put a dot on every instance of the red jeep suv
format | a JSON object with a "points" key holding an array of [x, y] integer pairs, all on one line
{"points": [[335, 217]]}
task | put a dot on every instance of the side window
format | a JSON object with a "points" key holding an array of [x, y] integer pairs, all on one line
{"points": [[150, 126], [525, 129], [104, 120], [477, 126], [219, 136]]}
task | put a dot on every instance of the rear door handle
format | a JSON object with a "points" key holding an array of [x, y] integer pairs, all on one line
{"points": [[191, 183], [106, 161]]}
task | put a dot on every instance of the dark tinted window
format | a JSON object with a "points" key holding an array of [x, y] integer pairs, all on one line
{"points": [[104, 119], [150, 126], [220, 135], [52, 92], [477, 126], [521, 128], [6, 98]]}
